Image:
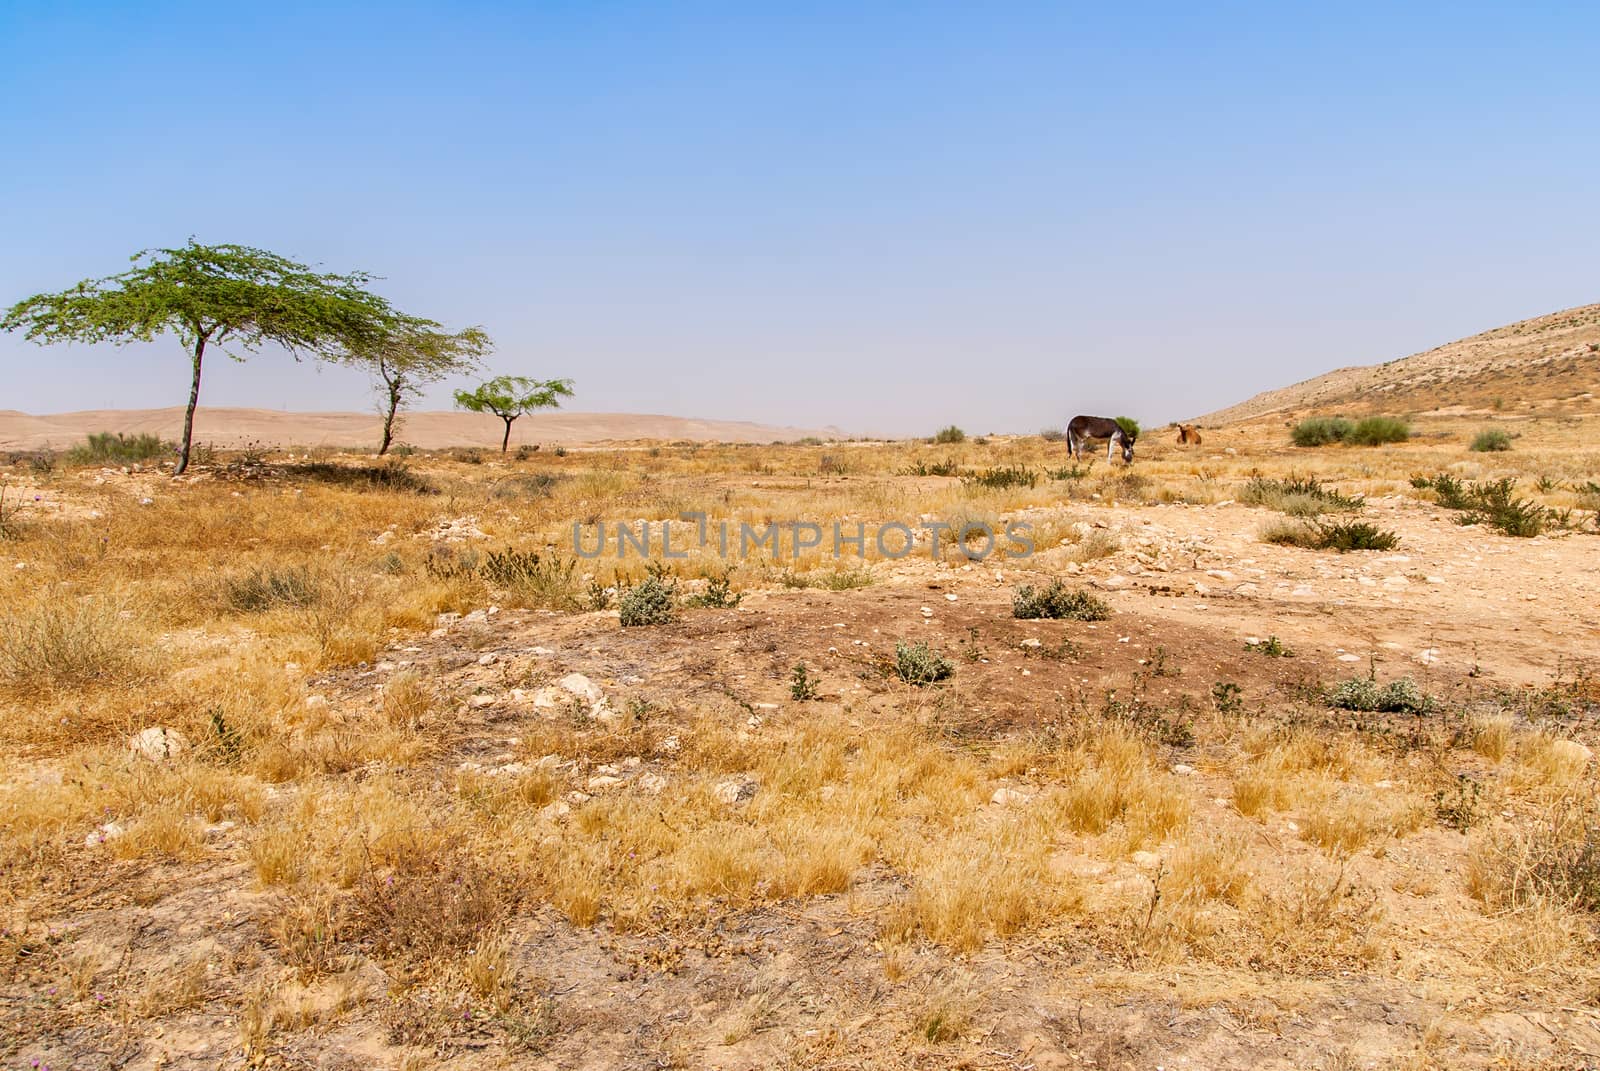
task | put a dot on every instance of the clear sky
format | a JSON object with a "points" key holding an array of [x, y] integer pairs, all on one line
{"points": [[883, 216]]}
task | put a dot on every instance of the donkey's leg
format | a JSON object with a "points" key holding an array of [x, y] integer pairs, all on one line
{"points": [[1110, 444]]}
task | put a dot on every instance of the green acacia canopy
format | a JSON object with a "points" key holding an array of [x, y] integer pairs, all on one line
{"points": [[235, 297], [508, 397]]}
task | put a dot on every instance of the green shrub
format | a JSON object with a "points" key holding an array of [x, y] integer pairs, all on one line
{"points": [[1320, 431], [1490, 502], [1057, 601], [917, 663], [718, 594], [1364, 694], [802, 686], [947, 467], [1001, 478], [1296, 496], [1378, 430], [115, 446], [948, 435], [267, 587], [1129, 426], [1272, 647], [650, 602], [532, 580], [1345, 536], [1489, 441], [390, 476], [1341, 536]]}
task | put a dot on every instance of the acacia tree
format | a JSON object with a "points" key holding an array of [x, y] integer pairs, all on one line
{"points": [[508, 397], [409, 354], [233, 297]]}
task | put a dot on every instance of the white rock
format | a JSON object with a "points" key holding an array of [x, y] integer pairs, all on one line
{"points": [[487, 659], [109, 831], [158, 743], [1571, 750], [1031, 641], [1183, 770], [511, 769], [582, 687], [1010, 797], [446, 620], [669, 745], [558, 809], [314, 702], [601, 782], [482, 699], [734, 791], [1428, 656], [575, 797], [1349, 658], [1145, 858], [651, 782]]}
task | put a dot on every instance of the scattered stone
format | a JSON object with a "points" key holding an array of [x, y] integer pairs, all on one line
{"points": [[668, 746], [1572, 751], [651, 782], [734, 791], [1183, 770], [601, 782], [487, 659], [1010, 797], [577, 798], [482, 699], [1428, 656], [1349, 658], [1145, 859], [1031, 641], [582, 687], [158, 743], [557, 810], [109, 831]]}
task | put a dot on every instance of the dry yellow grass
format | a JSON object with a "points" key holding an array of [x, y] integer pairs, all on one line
{"points": [[376, 798]]}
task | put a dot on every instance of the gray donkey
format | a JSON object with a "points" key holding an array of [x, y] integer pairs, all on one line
{"points": [[1083, 428]]}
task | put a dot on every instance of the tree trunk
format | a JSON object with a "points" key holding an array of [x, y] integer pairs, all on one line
{"points": [[505, 442], [389, 418], [188, 415]]}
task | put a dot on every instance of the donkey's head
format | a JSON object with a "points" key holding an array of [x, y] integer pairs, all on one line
{"points": [[1127, 433]]}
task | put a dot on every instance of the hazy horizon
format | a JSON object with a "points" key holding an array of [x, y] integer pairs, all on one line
{"points": [[883, 220]]}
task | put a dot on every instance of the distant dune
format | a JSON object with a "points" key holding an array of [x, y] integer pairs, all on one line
{"points": [[1549, 362], [232, 428]]}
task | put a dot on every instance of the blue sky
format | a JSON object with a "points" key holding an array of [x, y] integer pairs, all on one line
{"points": [[886, 217]]}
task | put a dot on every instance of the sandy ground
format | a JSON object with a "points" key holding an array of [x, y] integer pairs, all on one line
{"points": [[432, 430], [1459, 608]]}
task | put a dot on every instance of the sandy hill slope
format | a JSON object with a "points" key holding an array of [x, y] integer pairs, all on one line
{"points": [[231, 428], [1545, 362]]}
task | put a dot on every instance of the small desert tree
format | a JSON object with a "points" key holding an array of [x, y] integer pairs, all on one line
{"points": [[409, 354], [508, 397], [210, 295]]}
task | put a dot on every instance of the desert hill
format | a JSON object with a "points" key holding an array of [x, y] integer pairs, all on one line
{"points": [[232, 428], [1547, 361]]}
